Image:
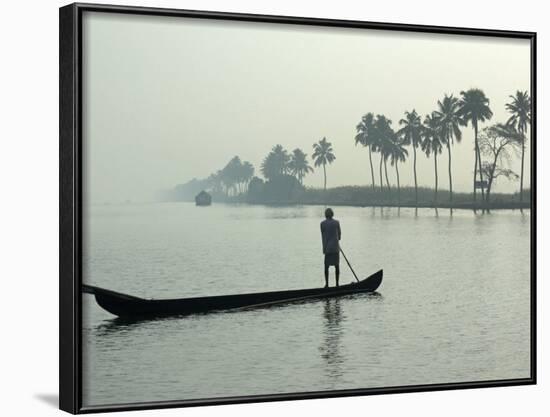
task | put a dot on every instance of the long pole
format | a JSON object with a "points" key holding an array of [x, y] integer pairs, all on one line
{"points": [[350, 267]]}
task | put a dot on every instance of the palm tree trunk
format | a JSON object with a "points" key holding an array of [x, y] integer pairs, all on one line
{"points": [[450, 174], [481, 176], [381, 182], [325, 175], [479, 161], [475, 169], [371, 168], [415, 180], [386, 172], [490, 179], [522, 160], [435, 167], [398, 185], [488, 195]]}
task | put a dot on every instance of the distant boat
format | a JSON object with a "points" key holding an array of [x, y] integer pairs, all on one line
{"points": [[128, 306], [203, 199]]}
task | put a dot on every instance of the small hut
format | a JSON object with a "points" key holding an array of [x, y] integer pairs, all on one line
{"points": [[203, 199]]}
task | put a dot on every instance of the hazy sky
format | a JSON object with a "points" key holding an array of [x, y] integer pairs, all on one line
{"points": [[169, 99]]}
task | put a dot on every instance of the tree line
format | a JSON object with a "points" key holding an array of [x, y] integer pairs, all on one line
{"points": [[494, 145], [441, 129], [280, 162], [233, 179]]}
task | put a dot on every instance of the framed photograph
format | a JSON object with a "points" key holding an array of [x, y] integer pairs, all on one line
{"points": [[261, 208]]}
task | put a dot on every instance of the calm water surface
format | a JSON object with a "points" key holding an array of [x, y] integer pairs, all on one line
{"points": [[454, 304]]}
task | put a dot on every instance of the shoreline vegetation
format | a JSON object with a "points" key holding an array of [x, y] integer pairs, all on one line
{"points": [[359, 196], [282, 172]]}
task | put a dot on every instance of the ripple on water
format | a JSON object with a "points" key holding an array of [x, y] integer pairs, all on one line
{"points": [[454, 304]]}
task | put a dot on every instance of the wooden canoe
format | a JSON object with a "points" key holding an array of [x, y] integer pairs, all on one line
{"points": [[127, 306]]}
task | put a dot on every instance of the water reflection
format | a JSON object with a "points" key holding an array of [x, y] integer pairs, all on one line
{"points": [[463, 318], [119, 325], [525, 218], [332, 338], [372, 212]]}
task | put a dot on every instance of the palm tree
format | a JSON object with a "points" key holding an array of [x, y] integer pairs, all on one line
{"points": [[411, 132], [275, 163], [520, 108], [398, 153], [383, 134], [247, 172], [231, 175], [474, 108], [323, 154], [386, 148], [215, 181], [365, 136], [432, 143], [282, 157], [449, 121], [269, 166], [298, 165]]}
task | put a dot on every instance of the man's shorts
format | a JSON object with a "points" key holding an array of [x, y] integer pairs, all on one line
{"points": [[332, 259]]}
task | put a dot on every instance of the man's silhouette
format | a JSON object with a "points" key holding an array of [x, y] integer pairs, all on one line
{"points": [[331, 234]]}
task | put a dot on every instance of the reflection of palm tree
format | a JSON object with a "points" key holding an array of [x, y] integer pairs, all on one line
{"points": [[474, 108], [298, 165], [432, 143], [412, 135], [449, 120], [323, 154], [365, 136], [520, 108]]}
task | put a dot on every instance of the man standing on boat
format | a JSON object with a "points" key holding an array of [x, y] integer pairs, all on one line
{"points": [[331, 234]]}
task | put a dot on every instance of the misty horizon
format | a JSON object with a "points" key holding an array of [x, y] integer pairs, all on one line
{"points": [[171, 99]]}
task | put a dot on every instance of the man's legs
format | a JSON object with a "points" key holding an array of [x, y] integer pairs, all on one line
{"points": [[326, 275], [337, 267]]}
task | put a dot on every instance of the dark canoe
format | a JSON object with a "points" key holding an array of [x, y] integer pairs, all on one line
{"points": [[128, 306]]}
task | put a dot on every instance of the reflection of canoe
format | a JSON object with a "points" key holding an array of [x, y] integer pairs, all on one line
{"points": [[127, 306]]}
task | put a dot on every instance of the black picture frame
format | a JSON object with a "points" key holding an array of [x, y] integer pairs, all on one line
{"points": [[70, 203]]}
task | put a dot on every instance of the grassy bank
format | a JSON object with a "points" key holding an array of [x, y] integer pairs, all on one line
{"points": [[291, 193], [365, 196]]}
